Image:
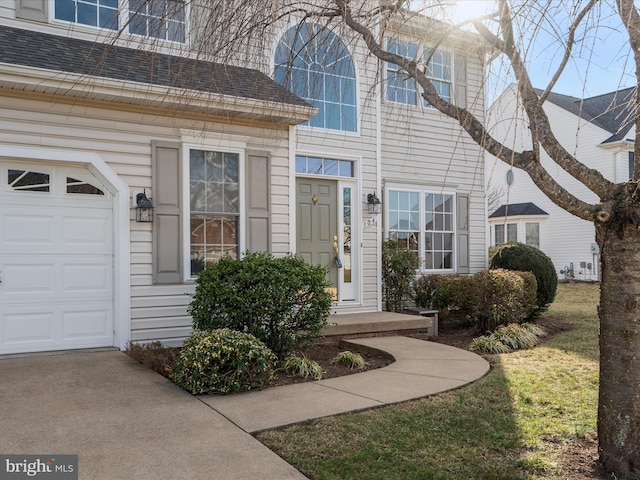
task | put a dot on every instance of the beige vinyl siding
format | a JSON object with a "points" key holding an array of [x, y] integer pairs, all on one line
{"points": [[422, 147], [123, 140]]}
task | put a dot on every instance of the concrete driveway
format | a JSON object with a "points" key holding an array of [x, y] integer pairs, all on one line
{"points": [[123, 421]]}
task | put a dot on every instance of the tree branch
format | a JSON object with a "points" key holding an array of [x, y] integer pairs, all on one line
{"points": [[527, 160], [631, 21]]}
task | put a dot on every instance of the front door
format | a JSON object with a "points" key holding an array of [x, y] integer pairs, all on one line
{"points": [[318, 239]]}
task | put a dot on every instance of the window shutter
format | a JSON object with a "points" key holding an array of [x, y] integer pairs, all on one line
{"points": [[462, 232], [460, 86], [258, 202], [167, 226], [32, 10]]}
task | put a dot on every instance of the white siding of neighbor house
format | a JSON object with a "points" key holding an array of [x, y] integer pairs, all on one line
{"points": [[421, 146], [564, 238], [123, 140]]}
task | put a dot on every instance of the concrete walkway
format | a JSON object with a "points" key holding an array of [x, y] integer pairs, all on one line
{"points": [[125, 421], [421, 369]]}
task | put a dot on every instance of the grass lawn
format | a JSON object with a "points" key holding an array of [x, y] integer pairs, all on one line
{"points": [[532, 417]]}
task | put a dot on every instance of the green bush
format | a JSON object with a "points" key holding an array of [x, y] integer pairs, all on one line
{"points": [[223, 361], [500, 299], [281, 301], [398, 272], [518, 256], [445, 293]]}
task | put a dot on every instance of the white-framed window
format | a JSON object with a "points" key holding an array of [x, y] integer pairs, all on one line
{"points": [[163, 19], [314, 63], [533, 234], [26, 180], [214, 206], [439, 69], [499, 230], [424, 223], [401, 88], [324, 166]]}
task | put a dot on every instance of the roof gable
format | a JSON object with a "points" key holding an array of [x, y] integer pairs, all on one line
{"points": [[517, 210], [612, 111]]}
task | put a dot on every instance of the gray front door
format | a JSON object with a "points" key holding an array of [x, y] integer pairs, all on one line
{"points": [[317, 223]]}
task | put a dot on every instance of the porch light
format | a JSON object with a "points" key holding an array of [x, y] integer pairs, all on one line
{"points": [[374, 204], [144, 208]]}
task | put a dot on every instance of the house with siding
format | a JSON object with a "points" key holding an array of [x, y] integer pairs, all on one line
{"points": [[599, 132], [232, 158]]}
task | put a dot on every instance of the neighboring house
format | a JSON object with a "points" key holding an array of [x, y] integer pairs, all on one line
{"points": [[231, 162], [599, 132]]}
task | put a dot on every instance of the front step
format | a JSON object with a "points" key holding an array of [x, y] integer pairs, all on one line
{"points": [[377, 324]]}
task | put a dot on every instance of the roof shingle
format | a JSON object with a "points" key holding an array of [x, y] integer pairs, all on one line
{"points": [[63, 54]]}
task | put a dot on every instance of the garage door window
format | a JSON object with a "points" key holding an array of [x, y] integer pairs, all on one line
{"points": [[28, 181], [79, 186]]}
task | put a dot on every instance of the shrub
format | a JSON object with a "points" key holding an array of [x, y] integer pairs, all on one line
{"points": [[445, 293], [303, 367], [223, 361], [518, 256], [500, 299], [281, 301], [398, 272], [154, 355], [349, 359]]}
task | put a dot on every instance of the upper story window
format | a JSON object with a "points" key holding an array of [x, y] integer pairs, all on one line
{"points": [[439, 72], [163, 19], [401, 88], [314, 63], [97, 13]]}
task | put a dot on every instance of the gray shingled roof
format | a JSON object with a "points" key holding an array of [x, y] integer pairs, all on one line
{"points": [[62, 54], [612, 112], [517, 209]]}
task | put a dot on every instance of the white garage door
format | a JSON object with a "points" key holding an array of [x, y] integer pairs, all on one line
{"points": [[56, 259]]}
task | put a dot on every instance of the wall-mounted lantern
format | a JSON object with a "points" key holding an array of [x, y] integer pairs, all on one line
{"points": [[374, 204], [144, 208]]}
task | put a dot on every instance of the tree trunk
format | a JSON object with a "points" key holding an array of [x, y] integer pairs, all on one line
{"points": [[619, 312]]}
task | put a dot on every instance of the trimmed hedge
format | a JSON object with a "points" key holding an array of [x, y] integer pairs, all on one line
{"points": [[525, 258], [502, 297], [487, 299], [281, 301]]}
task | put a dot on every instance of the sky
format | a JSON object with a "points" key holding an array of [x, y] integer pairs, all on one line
{"points": [[601, 66]]}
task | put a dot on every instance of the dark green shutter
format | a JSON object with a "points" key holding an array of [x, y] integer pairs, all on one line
{"points": [[32, 10], [462, 232], [167, 226], [258, 214]]}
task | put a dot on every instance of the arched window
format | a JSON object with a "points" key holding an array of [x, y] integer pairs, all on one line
{"points": [[313, 63]]}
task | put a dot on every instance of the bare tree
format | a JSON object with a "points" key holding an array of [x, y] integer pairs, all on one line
{"points": [[616, 216], [239, 31]]}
